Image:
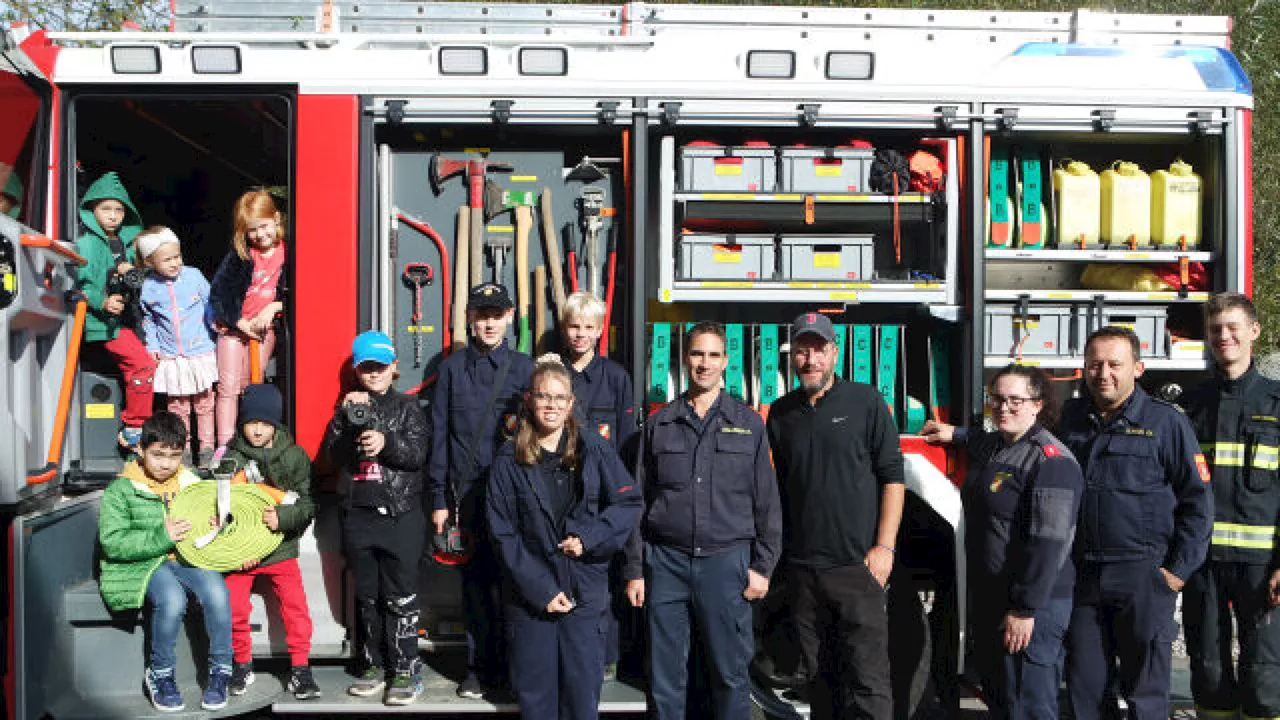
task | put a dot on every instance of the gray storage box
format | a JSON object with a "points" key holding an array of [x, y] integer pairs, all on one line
{"points": [[827, 257], [727, 257], [1044, 330], [1148, 322], [739, 168], [825, 170]]}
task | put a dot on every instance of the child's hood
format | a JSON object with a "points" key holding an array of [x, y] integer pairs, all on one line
{"points": [[109, 187], [136, 476]]}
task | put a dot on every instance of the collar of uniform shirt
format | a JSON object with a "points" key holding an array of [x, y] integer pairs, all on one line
{"points": [[587, 372], [494, 356], [692, 415], [1128, 411]]}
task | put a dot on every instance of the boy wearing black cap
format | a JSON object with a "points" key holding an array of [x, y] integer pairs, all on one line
{"points": [[263, 441], [476, 400]]}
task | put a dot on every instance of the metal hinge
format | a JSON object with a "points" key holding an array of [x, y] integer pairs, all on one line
{"points": [[395, 111], [1201, 121], [809, 114], [1104, 119], [670, 113], [1006, 118], [946, 117], [608, 111], [502, 111]]}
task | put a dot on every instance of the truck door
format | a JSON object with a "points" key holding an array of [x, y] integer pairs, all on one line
{"points": [[35, 309]]}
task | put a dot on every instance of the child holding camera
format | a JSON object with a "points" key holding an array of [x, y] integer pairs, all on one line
{"points": [[379, 437], [111, 283]]}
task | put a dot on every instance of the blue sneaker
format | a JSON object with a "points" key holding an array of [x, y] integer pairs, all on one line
{"points": [[215, 693], [163, 691], [130, 437]]}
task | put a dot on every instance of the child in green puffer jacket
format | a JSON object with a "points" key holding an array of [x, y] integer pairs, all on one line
{"points": [[263, 440], [138, 564]]}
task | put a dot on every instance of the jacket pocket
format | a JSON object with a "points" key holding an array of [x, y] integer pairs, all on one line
{"points": [[673, 459]]}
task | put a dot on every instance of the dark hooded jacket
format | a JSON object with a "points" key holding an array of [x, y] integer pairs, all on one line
{"points": [[93, 245]]}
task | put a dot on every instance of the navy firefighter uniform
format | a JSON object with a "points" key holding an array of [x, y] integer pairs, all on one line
{"points": [[464, 384], [1146, 506], [1238, 424], [557, 660], [711, 513], [1021, 500]]}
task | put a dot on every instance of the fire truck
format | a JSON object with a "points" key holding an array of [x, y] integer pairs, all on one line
{"points": [[957, 190]]}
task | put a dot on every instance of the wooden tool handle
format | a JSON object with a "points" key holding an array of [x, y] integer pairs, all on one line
{"points": [[461, 276], [524, 225], [477, 249], [552, 239], [540, 306]]}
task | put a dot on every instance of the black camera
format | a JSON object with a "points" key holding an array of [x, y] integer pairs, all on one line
{"points": [[360, 417], [126, 284]]}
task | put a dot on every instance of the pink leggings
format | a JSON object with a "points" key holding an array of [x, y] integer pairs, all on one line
{"points": [[233, 377], [181, 405]]}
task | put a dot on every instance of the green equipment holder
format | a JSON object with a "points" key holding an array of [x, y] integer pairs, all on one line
{"points": [[734, 380], [863, 352], [887, 368], [660, 364], [767, 363]]}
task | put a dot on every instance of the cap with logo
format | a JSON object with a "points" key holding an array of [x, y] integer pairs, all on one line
{"points": [[489, 295], [372, 346], [813, 322]]}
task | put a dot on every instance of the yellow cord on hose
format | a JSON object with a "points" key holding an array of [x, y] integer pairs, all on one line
{"points": [[244, 538]]}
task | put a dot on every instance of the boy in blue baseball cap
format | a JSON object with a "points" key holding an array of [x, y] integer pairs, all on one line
{"points": [[379, 437]]}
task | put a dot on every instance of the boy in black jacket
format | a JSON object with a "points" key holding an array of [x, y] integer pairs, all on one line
{"points": [[379, 438]]}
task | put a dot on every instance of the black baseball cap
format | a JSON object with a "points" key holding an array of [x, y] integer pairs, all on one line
{"points": [[489, 295], [813, 322]]}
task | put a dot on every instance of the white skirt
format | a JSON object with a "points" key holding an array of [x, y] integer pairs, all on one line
{"points": [[186, 375]]}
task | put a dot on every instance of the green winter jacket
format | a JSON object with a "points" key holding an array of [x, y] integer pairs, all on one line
{"points": [[91, 278], [286, 466], [132, 536]]}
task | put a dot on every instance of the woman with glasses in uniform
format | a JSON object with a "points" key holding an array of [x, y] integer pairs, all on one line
{"points": [[1021, 499], [560, 505]]}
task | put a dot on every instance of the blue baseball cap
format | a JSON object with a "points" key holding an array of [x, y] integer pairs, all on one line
{"points": [[372, 346]]}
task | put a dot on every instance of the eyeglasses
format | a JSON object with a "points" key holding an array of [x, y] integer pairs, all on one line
{"points": [[1014, 402], [549, 399]]}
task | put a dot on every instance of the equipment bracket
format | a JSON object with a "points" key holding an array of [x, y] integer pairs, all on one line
{"points": [[502, 111], [1104, 119], [1201, 121], [946, 117], [809, 114], [1007, 118], [395, 111], [670, 113], [608, 111]]}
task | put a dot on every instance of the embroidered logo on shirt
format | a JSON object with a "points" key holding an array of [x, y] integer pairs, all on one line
{"points": [[1142, 432], [735, 430], [1203, 467], [840, 419], [998, 480], [603, 429], [509, 422]]}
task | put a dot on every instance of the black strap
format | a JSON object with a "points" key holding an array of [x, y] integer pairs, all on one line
{"points": [[498, 381]]}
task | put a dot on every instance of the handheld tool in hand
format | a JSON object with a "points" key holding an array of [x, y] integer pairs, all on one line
{"points": [[417, 275]]}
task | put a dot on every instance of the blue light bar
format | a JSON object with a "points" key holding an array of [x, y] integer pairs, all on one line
{"points": [[1217, 67]]}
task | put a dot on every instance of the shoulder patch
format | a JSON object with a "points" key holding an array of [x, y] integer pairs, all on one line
{"points": [[1203, 466], [1051, 451]]}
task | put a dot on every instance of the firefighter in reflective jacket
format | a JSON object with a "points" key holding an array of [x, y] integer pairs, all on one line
{"points": [[1143, 531], [1236, 415]]}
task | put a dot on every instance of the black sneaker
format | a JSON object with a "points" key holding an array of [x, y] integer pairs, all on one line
{"points": [[301, 684], [241, 678], [471, 688], [370, 682], [404, 690]]}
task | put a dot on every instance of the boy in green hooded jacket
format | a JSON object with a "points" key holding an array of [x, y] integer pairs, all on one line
{"points": [[111, 223]]}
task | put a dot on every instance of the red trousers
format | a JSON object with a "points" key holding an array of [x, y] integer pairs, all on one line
{"points": [[138, 368], [286, 582]]}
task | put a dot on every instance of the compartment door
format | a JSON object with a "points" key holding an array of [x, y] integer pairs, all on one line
{"points": [[1116, 119], [37, 333]]}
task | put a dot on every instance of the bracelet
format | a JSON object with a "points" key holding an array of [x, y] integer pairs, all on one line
{"points": [[886, 547]]}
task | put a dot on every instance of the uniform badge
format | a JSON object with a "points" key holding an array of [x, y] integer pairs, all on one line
{"points": [[603, 429], [509, 421], [998, 480], [1203, 467], [1051, 451]]}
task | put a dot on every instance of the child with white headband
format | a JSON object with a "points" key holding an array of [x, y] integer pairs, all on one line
{"points": [[174, 301]]}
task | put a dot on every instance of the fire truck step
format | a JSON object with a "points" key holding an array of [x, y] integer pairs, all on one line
{"points": [[440, 678]]}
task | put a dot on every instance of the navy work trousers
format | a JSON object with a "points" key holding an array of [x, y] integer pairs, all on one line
{"points": [[698, 597], [1123, 614]]}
